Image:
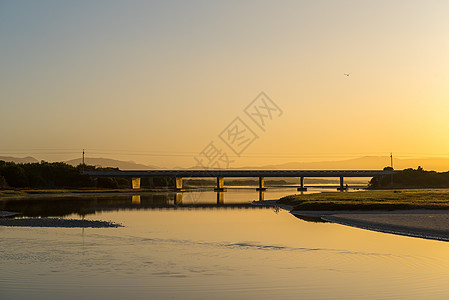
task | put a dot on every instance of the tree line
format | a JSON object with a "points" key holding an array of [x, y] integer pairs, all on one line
{"points": [[411, 178], [45, 175]]}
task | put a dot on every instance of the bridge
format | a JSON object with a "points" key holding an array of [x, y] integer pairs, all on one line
{"points": [[221, 174]]}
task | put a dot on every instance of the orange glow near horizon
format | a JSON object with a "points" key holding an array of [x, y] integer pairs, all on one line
{"points": [[161, 82]]}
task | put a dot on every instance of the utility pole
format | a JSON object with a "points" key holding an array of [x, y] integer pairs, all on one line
{"points": [[83, 160], [391, 159]]}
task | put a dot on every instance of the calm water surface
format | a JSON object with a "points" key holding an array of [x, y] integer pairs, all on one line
{"points": [[186, 248]]}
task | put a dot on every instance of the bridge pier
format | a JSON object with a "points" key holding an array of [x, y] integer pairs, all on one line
{"points": [[178, 184], [261, 184], [135, 183], [342, 187], [220, 185], [301, 187]]}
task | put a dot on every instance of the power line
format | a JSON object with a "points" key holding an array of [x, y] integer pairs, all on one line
{"points": [[123, 152]]}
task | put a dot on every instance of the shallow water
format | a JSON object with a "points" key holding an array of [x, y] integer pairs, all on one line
{"points": [[172, 248]]}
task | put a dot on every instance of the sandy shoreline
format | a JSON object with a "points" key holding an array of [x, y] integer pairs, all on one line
{"points": [[428, 224], [420, 223]]}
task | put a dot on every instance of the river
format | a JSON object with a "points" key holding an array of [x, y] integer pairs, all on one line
{"points": [[200, 246]]}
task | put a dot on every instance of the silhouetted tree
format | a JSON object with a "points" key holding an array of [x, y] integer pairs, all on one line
{"points": [[107, 182], [3, 183], [14, 175], [412, 179]]}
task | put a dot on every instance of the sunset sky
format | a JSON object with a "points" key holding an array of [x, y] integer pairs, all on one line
{"points": [[158, 81]]}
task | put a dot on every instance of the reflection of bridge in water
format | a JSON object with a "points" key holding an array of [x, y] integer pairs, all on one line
{"points": [[192, 199], [179, 175], [178, 200], [57, 206]]}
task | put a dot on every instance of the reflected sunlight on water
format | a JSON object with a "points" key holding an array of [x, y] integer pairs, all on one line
{"points": [[219, 253]]}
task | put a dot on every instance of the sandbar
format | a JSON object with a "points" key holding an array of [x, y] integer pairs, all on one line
{"points": [[56, 222], [428, 224]]}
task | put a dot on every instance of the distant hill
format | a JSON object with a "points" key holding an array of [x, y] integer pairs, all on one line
{"points": [[19, 160], [365, 163], [107, 162], [361, 163]]}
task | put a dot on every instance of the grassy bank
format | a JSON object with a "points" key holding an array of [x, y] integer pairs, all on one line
{"points": [[371, 200]]}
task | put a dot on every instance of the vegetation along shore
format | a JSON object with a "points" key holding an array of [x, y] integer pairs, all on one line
{"points": [[370, 200]]}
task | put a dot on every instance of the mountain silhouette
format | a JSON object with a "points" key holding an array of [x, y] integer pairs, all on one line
{"points": [[361, 163], [19, 160], [364, 163]]}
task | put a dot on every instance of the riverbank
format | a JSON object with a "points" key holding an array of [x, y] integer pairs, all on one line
{"points": [[7, 217], [420, 213], [428, 224], [370, 200]]}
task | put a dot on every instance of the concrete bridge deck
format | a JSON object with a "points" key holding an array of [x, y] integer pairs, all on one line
{"points": [[240, 173], [220, 174]]}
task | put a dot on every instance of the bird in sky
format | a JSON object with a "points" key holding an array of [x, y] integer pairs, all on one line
{"points": [[347, 74]]}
